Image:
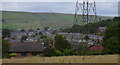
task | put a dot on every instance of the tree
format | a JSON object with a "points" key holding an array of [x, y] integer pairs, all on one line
{"points": [[47, 41], [6, 33], [23, 38], [38, 29], [40, 33], [46, 28], [49, 51], [116, 19], [61, 43], [75, 28], [68, 52], [3, 20], [112, 38], [43, 36], [58, 53], [86, 37], [82, 47], [88, 28], [5, 48], [22, 30], [55, 32]]}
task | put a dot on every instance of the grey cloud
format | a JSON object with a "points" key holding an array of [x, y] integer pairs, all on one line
{"points": [[103, 8]]}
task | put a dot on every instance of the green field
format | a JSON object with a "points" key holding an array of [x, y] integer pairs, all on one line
{"points": [[29, 20]]}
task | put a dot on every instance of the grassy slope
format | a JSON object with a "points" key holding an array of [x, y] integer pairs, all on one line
{"points": [[38, 20]]}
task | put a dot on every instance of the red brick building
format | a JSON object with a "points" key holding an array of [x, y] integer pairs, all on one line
{"points": [[96, 48]]}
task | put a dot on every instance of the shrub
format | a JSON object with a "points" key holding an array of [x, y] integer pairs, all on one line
{"points": [[76, 53], [68, 52], [82, 47], [49, 51], [58, 53], [12, 54], [43, 36], [6, 56]]}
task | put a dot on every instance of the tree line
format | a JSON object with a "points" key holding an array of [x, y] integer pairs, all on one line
{"points": [[88, 28]]}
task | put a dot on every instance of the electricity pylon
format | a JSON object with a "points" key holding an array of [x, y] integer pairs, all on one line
{"points": [[88, 11]]}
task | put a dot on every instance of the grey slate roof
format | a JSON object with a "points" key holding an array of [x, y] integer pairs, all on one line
{"points": [[26, 47]]}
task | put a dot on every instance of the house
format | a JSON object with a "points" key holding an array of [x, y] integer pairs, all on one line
{"points": [[26, 49], [31, 39], [90, 42], [102, 29], [96, 48]]}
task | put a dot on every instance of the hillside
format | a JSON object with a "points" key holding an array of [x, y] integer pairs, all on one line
{"points": [[29, 20]]}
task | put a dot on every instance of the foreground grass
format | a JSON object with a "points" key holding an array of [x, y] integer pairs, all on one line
{"points": [[66, 59]]}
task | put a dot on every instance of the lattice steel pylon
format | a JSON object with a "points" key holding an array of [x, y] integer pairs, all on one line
{"points": [[88, 11]]}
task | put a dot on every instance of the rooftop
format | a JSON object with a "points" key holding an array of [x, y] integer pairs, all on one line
{"points": [[26, 47]]}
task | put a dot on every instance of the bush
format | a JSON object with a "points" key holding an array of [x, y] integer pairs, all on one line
{"points": [[12, 54], [48, 41], [6, 33], [68, 52], [43, 37], [23, 38], [6, 56], [49, 51], [76, 53], [83, 48], [96, 53], [58, 53]]}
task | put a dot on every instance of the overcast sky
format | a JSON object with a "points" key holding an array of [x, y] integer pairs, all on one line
{"points": [[57, 0], [104, 7]]}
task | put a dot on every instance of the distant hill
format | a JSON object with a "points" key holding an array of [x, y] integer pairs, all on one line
{"points": [[29, 20]]}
